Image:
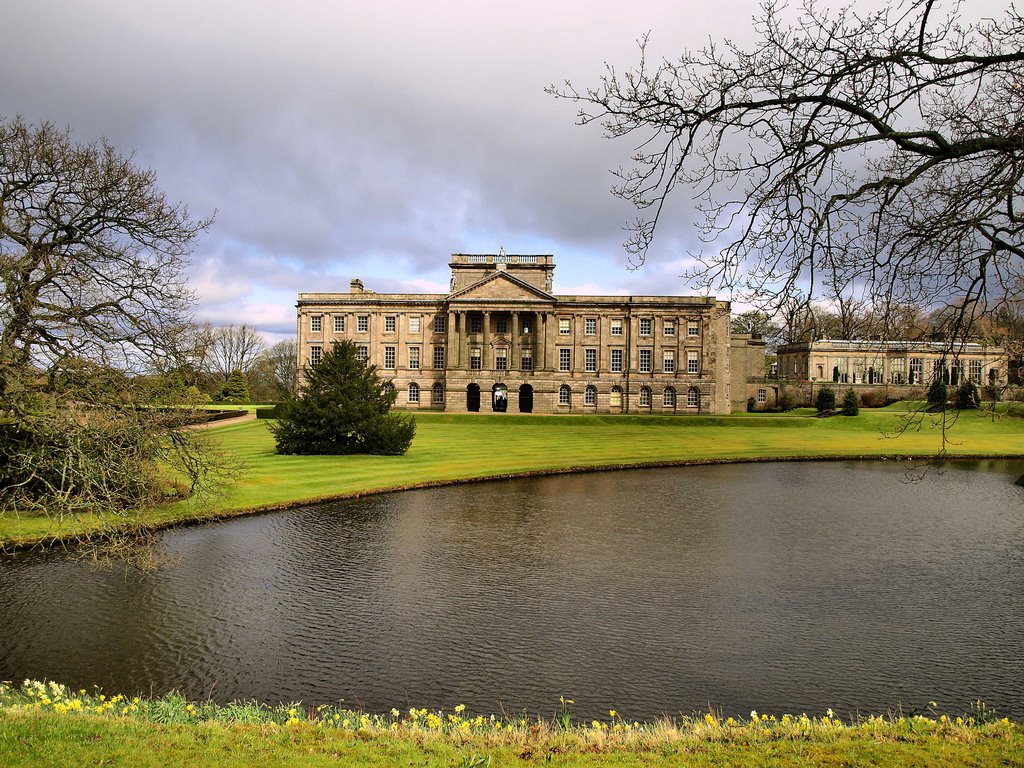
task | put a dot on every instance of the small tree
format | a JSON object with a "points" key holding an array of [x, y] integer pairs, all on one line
{"points": [[825, 400], [851, 403], [343, 408], [235, 389], [967, 396], [938, 393]]}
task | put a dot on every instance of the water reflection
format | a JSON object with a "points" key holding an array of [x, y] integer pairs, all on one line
{"points": [[780, 587]]}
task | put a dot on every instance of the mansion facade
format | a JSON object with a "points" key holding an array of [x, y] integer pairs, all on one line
{"points": [[501, 341]]}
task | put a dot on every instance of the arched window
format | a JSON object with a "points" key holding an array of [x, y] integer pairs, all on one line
{"points": [[414, 393], [564, 395], [668, 397], [645, 397], [590, 395], [615, 400], [438, 393], [693, 398]]}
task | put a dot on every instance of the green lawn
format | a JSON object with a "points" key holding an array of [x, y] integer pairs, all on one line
{"points": [[454, 447]]}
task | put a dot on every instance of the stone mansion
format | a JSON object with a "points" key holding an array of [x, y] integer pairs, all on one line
{"points": [[501, 341]]}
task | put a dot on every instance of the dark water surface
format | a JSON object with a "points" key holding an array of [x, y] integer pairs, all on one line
{"points": [[776, 587]]}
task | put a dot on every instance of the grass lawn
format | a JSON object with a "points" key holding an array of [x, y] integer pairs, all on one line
{"points": [[47, 724], [456, 447]]}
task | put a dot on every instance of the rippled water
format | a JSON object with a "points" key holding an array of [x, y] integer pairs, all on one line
{"points": [[776, 587]]}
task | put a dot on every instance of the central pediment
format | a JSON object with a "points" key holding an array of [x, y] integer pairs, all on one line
{"points": [[501, 287]]}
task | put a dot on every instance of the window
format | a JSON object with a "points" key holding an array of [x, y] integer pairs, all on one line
{"points": [[437, 393], [362, 353], [474, 359], [974, 368], [389, 324], [565, 359], [693, 398], [840, 371], [645, 361], [414, 325], [339, 323], [315, 354], [590, 326], [616, 360], [645, 326], [616, 326], [414, 393], [645, 397], [564, 326], [898, 371], [501, 359], [668, 362], [476, 324], [590, 360], [916, 370], [762, 395], [502, 325], [670, 327], [439, 324], [414, 358], [389, 358], [692, 361], [526, 360], [590, 396], [439, 358], [316, 324], [668, 397], [692, 328], [363, 323], [564, 395], [615, 398]]}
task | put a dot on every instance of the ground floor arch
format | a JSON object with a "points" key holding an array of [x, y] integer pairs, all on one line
{"points": [[473, 397], [499, 398], [526, 399]]}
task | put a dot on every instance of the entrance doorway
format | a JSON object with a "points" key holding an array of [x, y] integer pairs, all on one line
{"points": [[499, 398], [473, 397], [526, 399]]}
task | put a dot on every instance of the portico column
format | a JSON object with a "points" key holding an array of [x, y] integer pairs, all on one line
{"points": [[485, 358], [464, 340], [515, 362]]}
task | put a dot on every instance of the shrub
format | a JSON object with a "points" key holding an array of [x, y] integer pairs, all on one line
{"points": [[851, 403], [872, 398], [967, 396], [938, 393], [825, 400], [751, 405], [787, 401], [234, 389], [343, 408]]}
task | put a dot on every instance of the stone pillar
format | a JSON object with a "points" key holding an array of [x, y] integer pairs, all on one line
{"points": [[464, 340], [513, 364], [485, 357]]}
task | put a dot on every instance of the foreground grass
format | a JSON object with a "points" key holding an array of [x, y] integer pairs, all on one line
{"points": [[453, 447], [46, 724]]}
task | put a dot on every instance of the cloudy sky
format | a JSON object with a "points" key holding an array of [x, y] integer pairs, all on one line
{"points": [[340, 139]]}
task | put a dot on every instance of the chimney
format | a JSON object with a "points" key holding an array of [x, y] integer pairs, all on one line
{"points": [[356, 286]]}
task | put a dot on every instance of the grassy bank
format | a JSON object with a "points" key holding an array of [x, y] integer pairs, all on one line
{"points": [[452, 447], [46, 724]]}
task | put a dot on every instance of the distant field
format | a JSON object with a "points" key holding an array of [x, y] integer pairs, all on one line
{"points": [[456, 447]]}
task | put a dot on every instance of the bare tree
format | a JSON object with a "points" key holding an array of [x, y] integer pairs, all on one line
{"points": [[92, 292], [234, 348], [282, 357], [880, 152]]}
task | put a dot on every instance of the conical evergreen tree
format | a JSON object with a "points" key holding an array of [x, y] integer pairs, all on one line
{"points": [[235, 389], [343, 408]]}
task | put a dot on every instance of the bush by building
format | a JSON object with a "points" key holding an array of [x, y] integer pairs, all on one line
{"points": [[851, 403], [967, 396], [825, 400], [938, 393]]}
